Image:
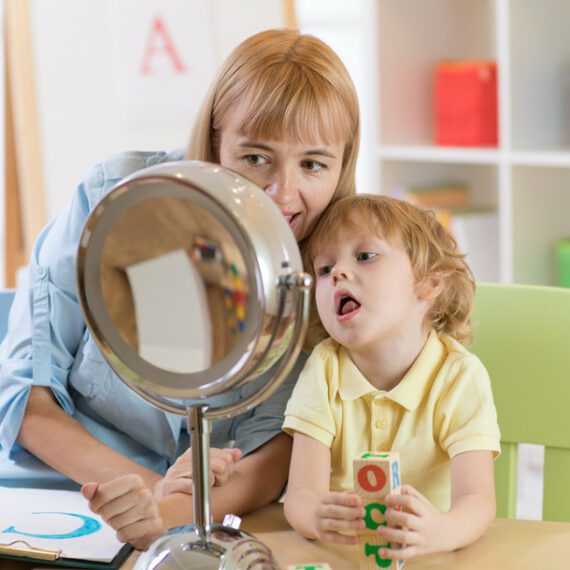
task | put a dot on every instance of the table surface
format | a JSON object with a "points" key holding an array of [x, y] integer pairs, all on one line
{"points": [[508, 544]]}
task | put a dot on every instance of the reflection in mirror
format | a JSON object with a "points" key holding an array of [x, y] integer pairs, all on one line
{"points": [[174, 284]]}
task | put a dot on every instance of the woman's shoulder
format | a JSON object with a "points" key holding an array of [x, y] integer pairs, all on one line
{"points": [[102, 177]]}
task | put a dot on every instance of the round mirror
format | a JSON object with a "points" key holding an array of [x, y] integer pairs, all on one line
{"points": [[179, 270]]}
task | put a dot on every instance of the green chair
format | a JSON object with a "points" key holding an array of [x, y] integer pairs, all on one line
{"points": [[522, 335]]}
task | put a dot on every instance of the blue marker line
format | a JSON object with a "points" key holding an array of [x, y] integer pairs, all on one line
{"points": [[89, 526]]}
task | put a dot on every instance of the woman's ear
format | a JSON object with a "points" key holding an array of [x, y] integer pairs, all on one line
{"points": [[431, 288]]}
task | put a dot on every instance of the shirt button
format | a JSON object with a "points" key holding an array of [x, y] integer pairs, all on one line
{"points": [[380, 424]]}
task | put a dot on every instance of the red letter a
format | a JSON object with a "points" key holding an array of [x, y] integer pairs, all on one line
{"points": [[159, 31]]}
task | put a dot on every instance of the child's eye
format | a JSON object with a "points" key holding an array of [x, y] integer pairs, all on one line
{"points": [[313, 165], [365, 255], [323, 270], [255, 159]]}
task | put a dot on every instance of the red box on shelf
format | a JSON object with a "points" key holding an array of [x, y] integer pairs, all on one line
{"points": [[466, 103]]}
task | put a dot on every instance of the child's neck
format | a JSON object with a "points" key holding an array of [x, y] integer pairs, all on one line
{"points": [[387, 362]]}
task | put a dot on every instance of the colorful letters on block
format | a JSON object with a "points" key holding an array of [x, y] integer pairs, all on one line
{"points": [[376, 474]]}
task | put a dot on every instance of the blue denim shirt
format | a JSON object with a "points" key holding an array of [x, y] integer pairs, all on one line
{"points": [[49, 345]]}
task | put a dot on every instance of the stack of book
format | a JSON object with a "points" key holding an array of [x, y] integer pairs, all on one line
{"points": [[475, 228]]}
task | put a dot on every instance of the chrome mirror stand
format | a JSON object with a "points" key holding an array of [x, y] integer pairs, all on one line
{"points": [[203, 545]]}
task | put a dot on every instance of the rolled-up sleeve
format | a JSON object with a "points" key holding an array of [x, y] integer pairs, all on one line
{"points": [[46, 324]]}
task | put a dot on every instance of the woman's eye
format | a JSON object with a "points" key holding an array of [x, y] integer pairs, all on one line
{"points": [[365, 256], [313, 165], [255, 159]]}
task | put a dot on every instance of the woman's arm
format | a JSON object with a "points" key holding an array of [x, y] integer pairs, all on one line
{"points": [[310, 508], [126, 504], [64, 444], [257, 479], [422, 528]]}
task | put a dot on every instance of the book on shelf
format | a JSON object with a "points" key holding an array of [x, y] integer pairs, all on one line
{"points": [[437, 196], [476, 229]]}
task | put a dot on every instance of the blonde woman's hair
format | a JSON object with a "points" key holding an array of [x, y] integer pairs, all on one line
{"points": [[286, 84], [432, 251]]}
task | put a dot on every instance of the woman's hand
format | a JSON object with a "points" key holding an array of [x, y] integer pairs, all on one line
{"points": [[178, 478], [127, 505], [414, 524], [338, 513]]}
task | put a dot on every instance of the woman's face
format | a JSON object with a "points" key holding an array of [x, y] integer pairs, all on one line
{"points": [[301, 179]]}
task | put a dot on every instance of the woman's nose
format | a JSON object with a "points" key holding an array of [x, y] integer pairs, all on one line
{"points": [[282, 189]]}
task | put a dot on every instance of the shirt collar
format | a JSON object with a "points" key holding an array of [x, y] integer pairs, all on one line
{"points": [[411, 389]]}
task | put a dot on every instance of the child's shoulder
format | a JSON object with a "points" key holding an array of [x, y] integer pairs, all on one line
{"points": [[460, 359]]}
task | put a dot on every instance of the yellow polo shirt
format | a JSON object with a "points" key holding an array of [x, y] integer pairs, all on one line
{"points": [[442, 407]]}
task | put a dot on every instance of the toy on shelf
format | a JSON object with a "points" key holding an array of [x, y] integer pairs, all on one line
{"points": [[465, 101], [376, 474]]}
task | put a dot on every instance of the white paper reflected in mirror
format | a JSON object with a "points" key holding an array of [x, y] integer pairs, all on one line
{"points": [[173, 321]]}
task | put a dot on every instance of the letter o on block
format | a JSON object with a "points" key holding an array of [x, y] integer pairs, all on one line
{"points": [[371, 478]]}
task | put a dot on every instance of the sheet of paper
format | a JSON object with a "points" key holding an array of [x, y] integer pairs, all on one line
{"points": [[59, 520]]}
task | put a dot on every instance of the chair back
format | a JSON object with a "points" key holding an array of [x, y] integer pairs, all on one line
{"points": [[522, 335], [6, 298]]}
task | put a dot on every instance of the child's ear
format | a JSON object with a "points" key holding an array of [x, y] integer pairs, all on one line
{"points": [[431, 288]]}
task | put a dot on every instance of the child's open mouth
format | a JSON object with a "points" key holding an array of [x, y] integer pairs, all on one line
{"points": [[346, 306]]}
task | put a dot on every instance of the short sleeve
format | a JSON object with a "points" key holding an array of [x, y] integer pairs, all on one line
{"points": [[309, 410], [466, 417]]}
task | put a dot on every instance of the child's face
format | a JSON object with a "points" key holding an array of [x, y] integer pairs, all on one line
{"points": [[365, 288]]}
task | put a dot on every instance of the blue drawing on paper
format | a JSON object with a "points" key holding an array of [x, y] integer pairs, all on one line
{"points": [[89, 526]]}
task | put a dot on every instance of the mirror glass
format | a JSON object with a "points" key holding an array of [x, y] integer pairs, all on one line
{"points": [[174, 284]]}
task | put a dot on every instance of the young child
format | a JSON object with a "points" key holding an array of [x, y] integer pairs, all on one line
{"points": [[395, 296]]}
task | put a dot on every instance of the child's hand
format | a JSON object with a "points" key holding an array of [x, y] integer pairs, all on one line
{"points": [[127, 505], [420, 527], [337, 513], [178, 478]]}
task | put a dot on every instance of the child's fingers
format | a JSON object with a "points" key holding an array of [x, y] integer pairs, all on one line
{"points": [[411, 503], [327, 511], [402, 519], [344, 499], [399, 536], [339, 538], [398, 553], [141, 533]]}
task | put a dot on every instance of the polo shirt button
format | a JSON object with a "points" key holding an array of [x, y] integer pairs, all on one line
{"points": [[380, 424]]}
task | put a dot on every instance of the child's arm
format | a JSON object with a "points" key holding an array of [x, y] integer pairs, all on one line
{"points": [[310, 508], [424, 529]]}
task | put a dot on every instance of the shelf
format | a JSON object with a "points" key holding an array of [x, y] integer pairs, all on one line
{"points": [[554, 158], [425, 153]]}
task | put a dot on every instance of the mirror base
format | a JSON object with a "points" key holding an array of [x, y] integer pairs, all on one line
{"points": [[226, 549]]}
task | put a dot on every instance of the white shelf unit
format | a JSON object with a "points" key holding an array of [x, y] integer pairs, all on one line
{"points": [[527, 177]]}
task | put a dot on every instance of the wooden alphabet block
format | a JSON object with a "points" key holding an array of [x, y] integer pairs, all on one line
{"points": [[369, 559], [315, 566], [376, 474]]}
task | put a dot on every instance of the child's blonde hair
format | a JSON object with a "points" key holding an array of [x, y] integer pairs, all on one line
{"points": [[432, 251], [288, 85]]}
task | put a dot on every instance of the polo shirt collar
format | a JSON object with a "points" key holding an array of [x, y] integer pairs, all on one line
{"points": [[413, 386]]}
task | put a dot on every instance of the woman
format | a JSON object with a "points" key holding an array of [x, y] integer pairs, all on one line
{"points": [[282, 112]]}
